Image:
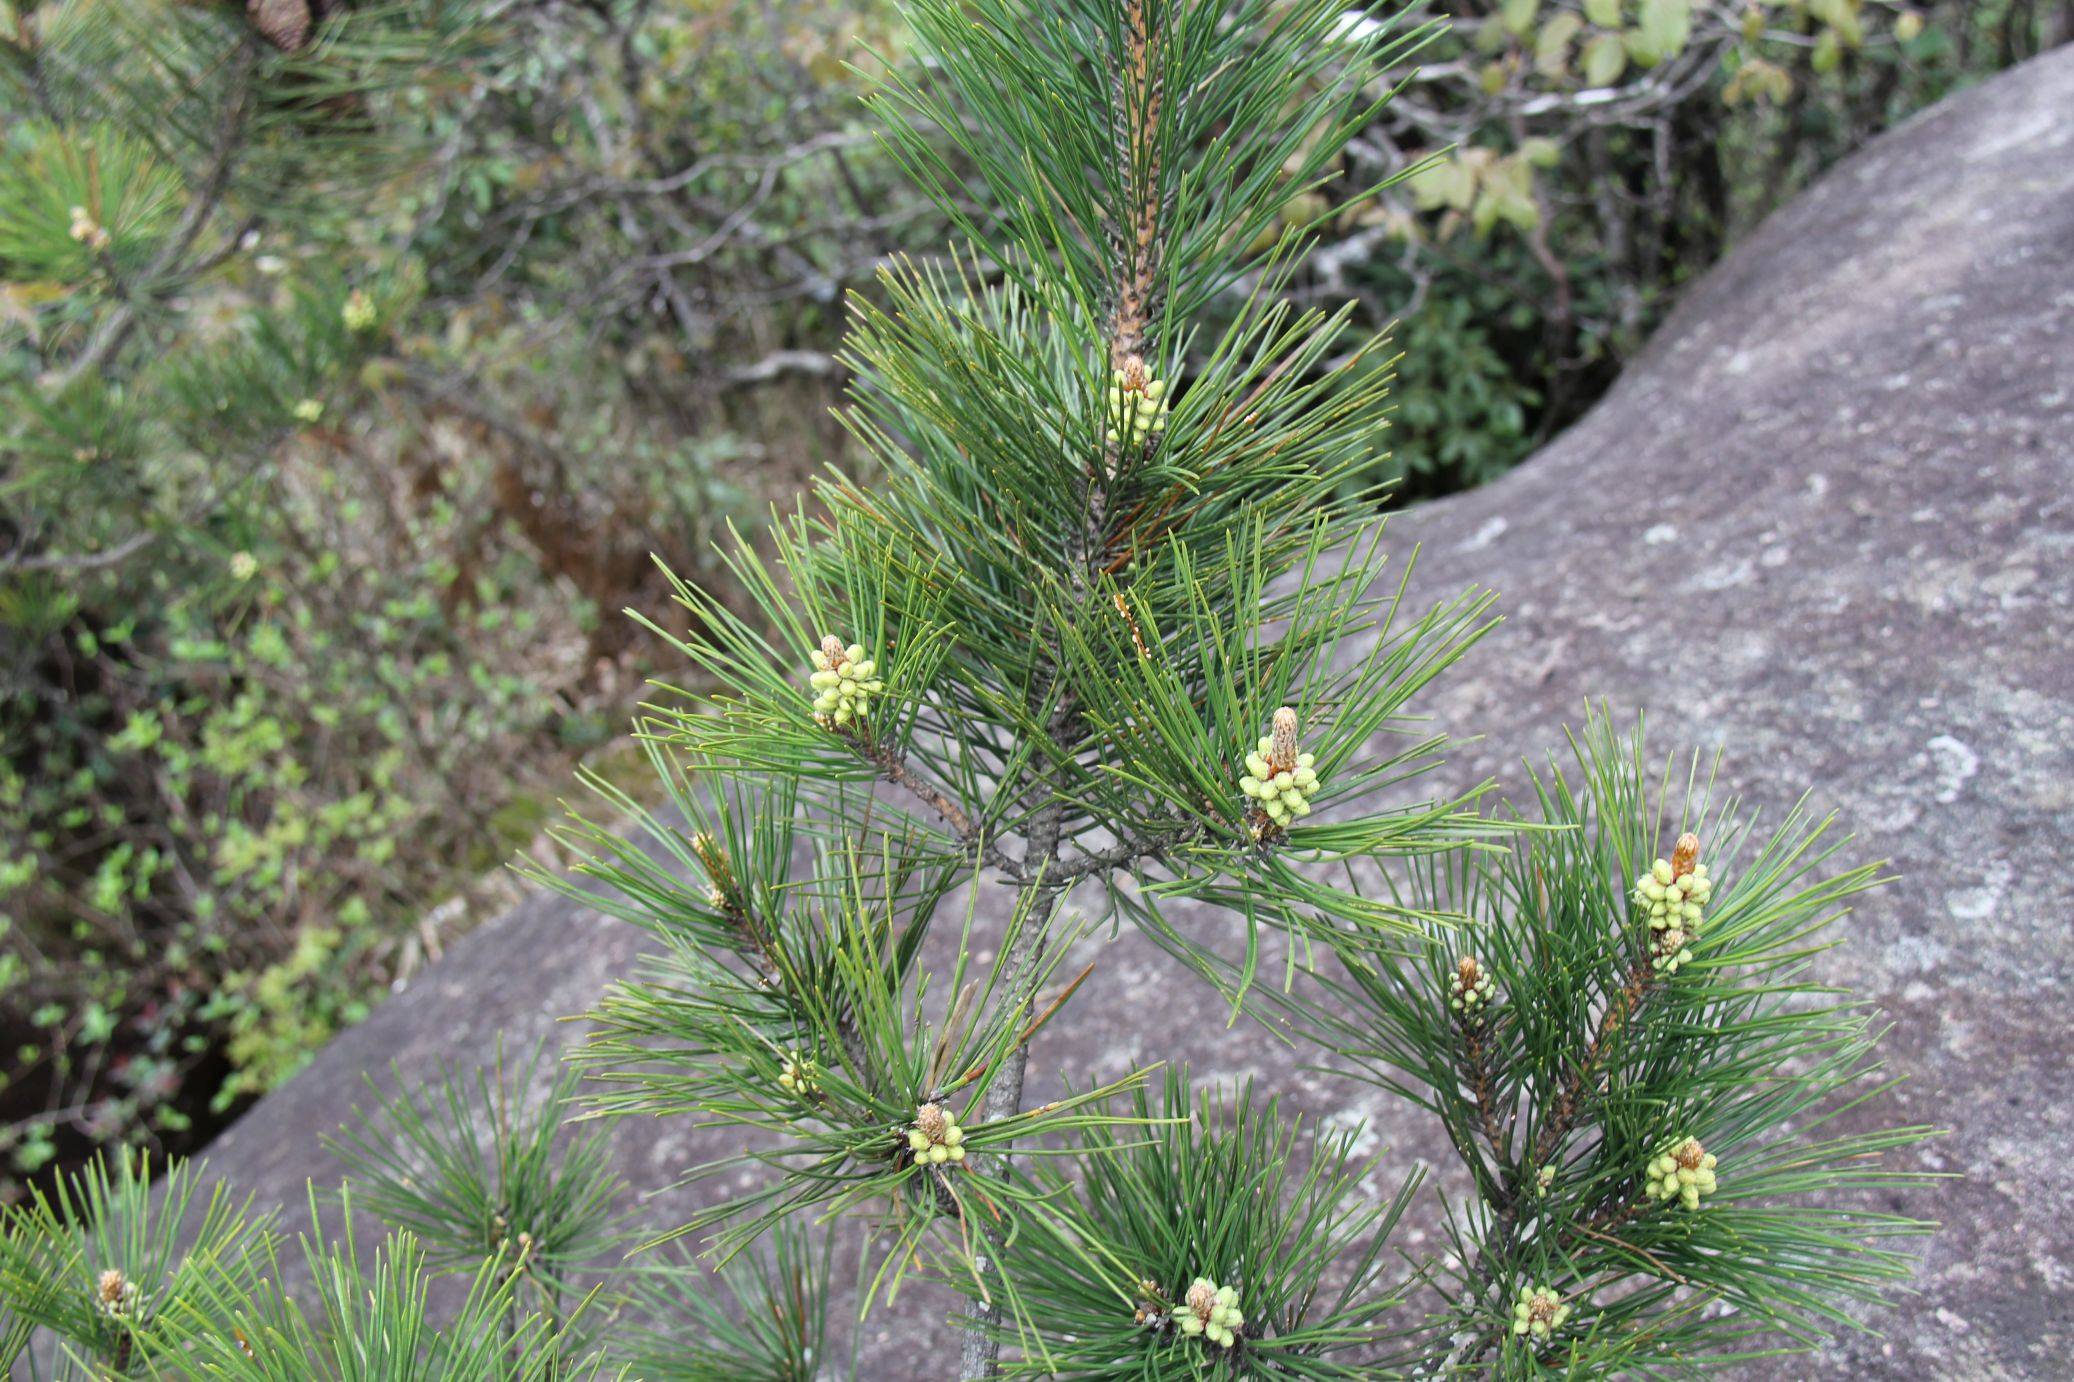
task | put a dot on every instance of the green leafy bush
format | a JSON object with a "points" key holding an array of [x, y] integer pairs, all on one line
{"points": [[1589, 157]]}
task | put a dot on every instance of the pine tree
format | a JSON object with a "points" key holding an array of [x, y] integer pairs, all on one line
{"points": [[1109, 626]]}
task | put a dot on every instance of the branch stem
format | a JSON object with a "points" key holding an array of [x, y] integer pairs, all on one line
{"points": [[979, 1355], [1136, 244], [1578, 1093], [894, 769]]}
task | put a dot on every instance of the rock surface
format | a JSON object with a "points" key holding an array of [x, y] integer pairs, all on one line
{"points": [[1847, 465]]}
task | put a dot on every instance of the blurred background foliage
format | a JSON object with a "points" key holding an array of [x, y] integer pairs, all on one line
{"points": [[355, 358]]}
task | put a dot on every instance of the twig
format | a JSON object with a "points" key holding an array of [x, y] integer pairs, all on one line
{"points": [[1651, 1258], [1477, 1066], [812, 362], [893, 768]]}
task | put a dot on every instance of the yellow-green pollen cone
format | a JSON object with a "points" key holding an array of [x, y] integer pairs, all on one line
{"points": [[116, 1296], [935, 1137], [1210, 1311], [1673, 950], [1683, 1172], [1137, 404], [1279, 781], [1539, 1311], [1673, 896], [1469, 987], [88, 231], [844, 683], [800, 1076], [359, 312]]}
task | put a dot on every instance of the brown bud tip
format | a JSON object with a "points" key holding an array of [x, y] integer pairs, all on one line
{"points": [[711, 859], [1468, 970], [1685, 855], [930, 1122], [283, 23], [1689, 1153], [1202, 1298], [1134, 373], [1282, 742], [111, 1286], [832, 649]]}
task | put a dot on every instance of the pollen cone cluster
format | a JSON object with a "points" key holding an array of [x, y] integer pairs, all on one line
{"points": [[1539, 1312], [1137, 404], [1279, 781], [844, 683], [935, 1137], [1211, 1312], [1683, 1172], [1673, 896], [88, 231], [1469, 987], [116, 1296], [800, 1076], [359, 311]]}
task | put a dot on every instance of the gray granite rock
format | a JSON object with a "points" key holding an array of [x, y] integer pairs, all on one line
{"points": [[1848, 463]]}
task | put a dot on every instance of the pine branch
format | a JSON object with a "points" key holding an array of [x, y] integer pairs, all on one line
{"points": [[1135, 247], [980, 1348], [894, 769], [1476, 1068], [1518, 1180], [1583, 1087], [1135, 239], [114, 331], [1137, 848], [1066, 610]]}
